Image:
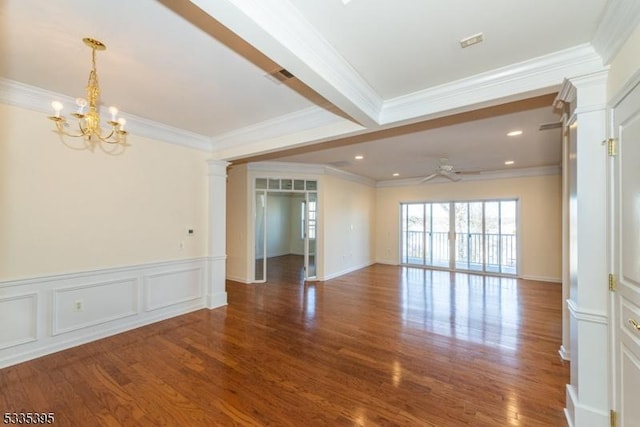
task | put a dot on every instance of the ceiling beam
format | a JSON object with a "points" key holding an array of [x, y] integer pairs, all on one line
{"points": [[280, 32]]}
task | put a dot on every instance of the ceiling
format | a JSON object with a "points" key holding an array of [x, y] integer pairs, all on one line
{"points": [[380, 78]]}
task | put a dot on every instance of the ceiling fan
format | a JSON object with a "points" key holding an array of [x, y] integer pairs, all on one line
{"points": [[445, 169]]}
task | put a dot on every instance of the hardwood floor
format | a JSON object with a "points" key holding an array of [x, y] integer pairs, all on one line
{"points": [[381, 346]]}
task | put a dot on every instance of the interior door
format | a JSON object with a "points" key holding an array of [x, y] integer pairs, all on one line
{"points": [[626, 259], [310, 235]]}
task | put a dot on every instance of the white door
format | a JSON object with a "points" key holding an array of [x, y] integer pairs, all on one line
{"points": [[626, 260]]}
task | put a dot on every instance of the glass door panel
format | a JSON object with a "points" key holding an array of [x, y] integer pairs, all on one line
{"points": [[440, 224], [462, 235], [311, 231], [260, 249], [508, 246], [414, 226], [492, 236], [476, 236]]}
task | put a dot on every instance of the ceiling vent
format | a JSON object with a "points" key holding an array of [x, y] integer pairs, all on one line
{"points": [[549, 126], [471, 40], [280, 75]]}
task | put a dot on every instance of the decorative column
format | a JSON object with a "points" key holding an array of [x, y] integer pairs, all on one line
{"points": [[216, 294], [588, 302]]}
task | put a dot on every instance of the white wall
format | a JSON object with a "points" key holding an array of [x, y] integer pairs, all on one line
{"points": [[347, 221], [540, 202]]}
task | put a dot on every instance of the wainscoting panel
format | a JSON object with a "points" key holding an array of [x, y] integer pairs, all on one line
{"points": [[161, 290], [43, 315], [18, 320], [87, 305]]}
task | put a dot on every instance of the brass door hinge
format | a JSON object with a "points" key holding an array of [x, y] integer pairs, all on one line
{"points": [[613, 418], [612, 146], [612, 282]]}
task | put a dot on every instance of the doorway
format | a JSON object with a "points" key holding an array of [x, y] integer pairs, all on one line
{"points": [[285, 225]]}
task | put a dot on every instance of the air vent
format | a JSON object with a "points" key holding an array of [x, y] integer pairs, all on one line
{"points": [[471, 40], [280, 75], [549, 126]]}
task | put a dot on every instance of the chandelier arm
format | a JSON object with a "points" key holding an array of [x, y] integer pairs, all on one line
{"points": [[65, 133]]}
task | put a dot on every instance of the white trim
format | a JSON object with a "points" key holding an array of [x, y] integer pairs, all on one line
{"points": [[297, 121], [583, 415], [50, 337], [90, 273], [35, 332], [348, 176], [286, 168], [147, 287], [544, 72], [239, 279], [584, 315], [555, 280], [619, 20], [38, 99], [564, 354], [288, 38], [482, 176], [346, 271], [625, 89], [56, 292]]}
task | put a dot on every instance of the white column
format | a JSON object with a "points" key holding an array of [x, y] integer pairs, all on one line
{"points": [[216, 294], [588, 392]]}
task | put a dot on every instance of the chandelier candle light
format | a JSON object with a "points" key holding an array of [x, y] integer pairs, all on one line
{"points": [[89, 122]]}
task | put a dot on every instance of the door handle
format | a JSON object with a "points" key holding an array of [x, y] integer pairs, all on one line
{"points": [[635, 324]]}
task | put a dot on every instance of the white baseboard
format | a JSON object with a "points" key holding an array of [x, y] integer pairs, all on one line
{"points": [[53, 313], [387, 261], [346, 271], [239, 279], [564, 354], [578, 414], [543, 279]]}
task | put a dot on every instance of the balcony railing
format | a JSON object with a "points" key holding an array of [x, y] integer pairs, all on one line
{"points": [[496, 252]]}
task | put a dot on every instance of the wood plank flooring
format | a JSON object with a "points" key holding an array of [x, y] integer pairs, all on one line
{"points": [[381, 346]]}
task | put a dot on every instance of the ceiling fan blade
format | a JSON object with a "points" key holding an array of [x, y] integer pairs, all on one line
{"points": [[450, 176], [427, 178]]}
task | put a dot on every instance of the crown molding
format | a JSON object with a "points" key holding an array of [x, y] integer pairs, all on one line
{"points": [[319, 134], [288, 168], [38, 99], [543, 74], [482, 176], [284, 169], [297, 121], [619, 20], [284, 35], [330, 170]]}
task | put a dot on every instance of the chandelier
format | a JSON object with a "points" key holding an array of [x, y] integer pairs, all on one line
{"points": [[88, 122]]}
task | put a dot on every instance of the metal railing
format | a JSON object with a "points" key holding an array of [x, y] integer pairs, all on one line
{"points": [[497, 252]]}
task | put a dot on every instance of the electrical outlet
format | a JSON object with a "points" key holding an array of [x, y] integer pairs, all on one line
{"points": [[78, 305]]}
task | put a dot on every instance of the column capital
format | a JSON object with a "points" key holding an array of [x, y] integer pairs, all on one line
{"points": [[218, 167]]}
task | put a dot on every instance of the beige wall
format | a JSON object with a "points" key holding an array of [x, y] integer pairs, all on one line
{"points": [[348, 225], [540, 217], [625, 64], [238, 212], [63, 210]]}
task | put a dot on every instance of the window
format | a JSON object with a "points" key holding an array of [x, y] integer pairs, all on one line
{"points": [[474, 236]]}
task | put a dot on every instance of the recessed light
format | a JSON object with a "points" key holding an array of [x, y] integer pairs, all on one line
{"points": [[509, 162], [359, 157], [396, 174], [515, 133]]}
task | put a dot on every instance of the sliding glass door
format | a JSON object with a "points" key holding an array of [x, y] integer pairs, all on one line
{"points": [[472, 236]]}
